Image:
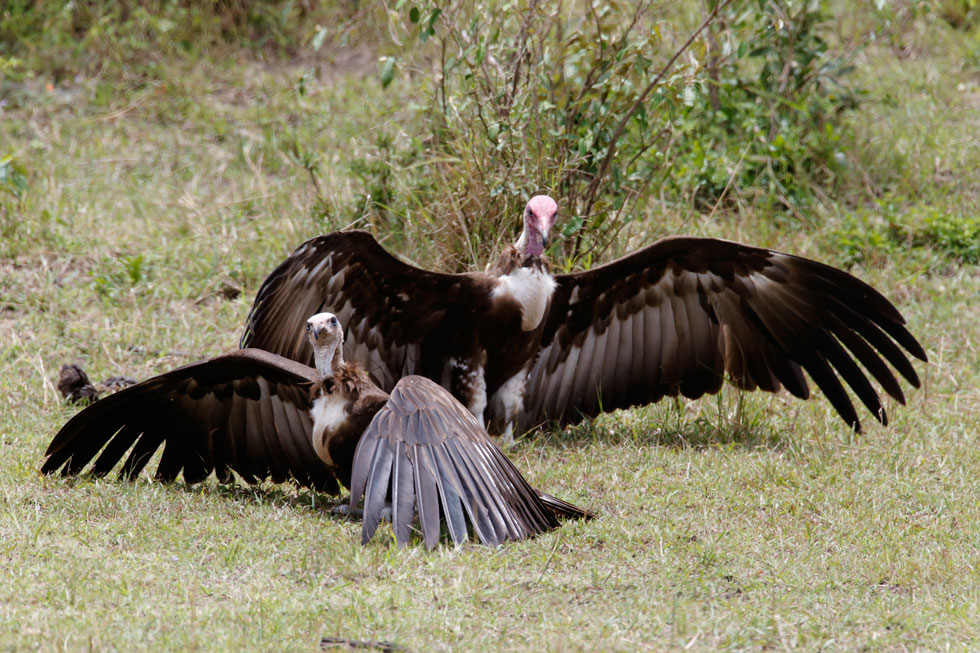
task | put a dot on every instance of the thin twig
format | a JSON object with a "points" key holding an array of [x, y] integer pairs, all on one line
{"points": [[731, 179]]}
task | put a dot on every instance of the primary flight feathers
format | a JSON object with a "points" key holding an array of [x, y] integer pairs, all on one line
{"points": [[519, 346], [265, 416]]}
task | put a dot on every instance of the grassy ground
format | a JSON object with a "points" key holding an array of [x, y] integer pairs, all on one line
{"points": [[151, 214]]}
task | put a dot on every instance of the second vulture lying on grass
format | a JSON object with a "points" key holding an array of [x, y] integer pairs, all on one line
{"points": [[519, 346], [418, 450]]}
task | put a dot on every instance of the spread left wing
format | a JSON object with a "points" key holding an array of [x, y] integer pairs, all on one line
{"points": [[677, 316], [430, 456], [247, 411]]}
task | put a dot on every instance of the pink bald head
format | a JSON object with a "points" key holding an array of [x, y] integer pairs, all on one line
{"points": [[539, 217]]}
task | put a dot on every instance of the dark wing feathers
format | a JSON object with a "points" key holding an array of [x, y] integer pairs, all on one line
{"points": [[676, 317], [428, 455], [673, 318], [387, 306], [74, 458], [175, 451], [247, 412]]}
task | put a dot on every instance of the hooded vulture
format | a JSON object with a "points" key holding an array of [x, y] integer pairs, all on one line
{"points": [[520, 346], [416, 452]]}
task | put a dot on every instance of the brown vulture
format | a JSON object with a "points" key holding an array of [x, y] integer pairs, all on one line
{"points": [[418, 451], [520, 346], [75, 387]]}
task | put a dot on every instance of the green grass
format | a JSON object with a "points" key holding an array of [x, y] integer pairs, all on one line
{"points": [[738, 521]]}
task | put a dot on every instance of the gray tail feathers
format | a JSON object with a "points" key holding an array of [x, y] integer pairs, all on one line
{"points": [[563, 509]]}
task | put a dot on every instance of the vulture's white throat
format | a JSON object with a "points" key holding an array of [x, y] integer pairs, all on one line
{"points": [[325, 357], [530, 287]]}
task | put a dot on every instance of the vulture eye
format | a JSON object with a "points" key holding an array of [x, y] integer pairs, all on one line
{"points": [[333, 321]]}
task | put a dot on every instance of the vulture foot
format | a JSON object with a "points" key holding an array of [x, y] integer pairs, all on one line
{"points": [[347, 510], [358, 513]]}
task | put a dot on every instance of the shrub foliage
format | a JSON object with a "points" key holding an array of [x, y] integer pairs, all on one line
{"points": [[609, 107], [619, 109]]}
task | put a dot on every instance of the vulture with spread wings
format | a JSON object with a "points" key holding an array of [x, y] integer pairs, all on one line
{"points": [[520, 346], [417, 452]]}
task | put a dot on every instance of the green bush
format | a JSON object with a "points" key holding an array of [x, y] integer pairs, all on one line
{"points": [[763, 118], [608, 109], [956, 236], [943, 235]]}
